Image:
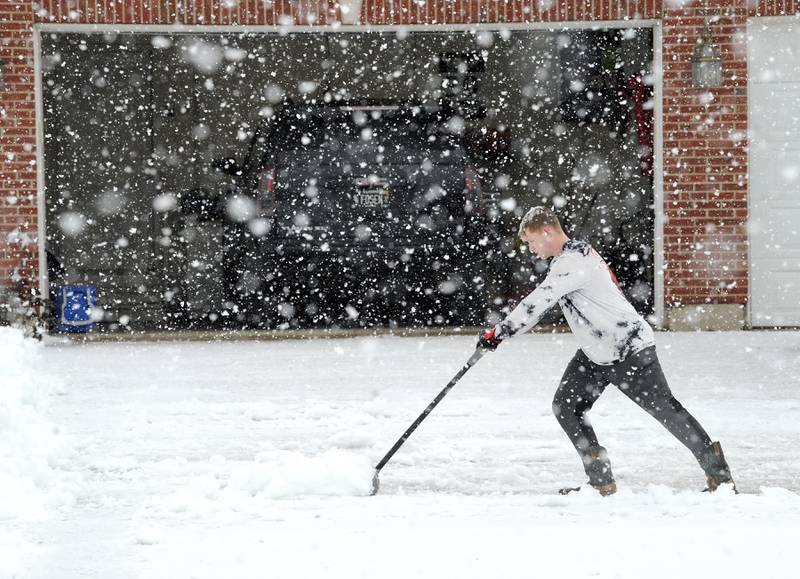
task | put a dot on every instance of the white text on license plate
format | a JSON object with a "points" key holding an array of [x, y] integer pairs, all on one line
{"points": [[372, 198]]}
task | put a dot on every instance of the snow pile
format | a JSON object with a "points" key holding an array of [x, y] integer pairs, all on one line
{"points": [[284, 474], [219, 485], [30, 485], [218, 488]]}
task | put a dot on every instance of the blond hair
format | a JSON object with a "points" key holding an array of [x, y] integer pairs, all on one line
{"points": [[538, 217]]}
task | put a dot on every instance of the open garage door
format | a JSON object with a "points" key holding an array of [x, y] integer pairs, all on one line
{"points": [[774, 105], [340, 179]]}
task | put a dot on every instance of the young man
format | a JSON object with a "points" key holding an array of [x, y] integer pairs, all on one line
{"points": [[617, 346]]}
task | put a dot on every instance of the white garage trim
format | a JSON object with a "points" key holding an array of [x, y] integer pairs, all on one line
{"points": [[658, 180], [41, 206], [275, 28], [655, 25]]}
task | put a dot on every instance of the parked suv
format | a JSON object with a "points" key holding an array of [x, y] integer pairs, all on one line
{"points": [[363, 214]]}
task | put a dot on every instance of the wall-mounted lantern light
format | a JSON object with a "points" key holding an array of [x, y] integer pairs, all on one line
{"points": [[706, 62], [2, 79]]}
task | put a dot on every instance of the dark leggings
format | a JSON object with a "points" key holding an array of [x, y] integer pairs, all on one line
{"points": [[641, 379]]}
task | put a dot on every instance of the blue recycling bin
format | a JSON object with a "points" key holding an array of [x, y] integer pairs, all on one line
{"points": [[74, 308]]}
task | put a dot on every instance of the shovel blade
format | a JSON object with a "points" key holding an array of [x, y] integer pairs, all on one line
{"points": [[376, 483]]}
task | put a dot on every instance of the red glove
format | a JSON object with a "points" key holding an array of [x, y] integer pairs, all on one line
{"points": [[487, 340]]}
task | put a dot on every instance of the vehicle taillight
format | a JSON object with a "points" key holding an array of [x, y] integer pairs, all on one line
{"points": [[265, 195], [473, 190]]}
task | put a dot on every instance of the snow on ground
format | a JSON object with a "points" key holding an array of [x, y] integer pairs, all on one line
{"points": [[31, 485], [252, 459]]}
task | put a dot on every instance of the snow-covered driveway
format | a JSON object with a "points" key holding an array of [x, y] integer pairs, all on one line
{"points": [[247, 459]]}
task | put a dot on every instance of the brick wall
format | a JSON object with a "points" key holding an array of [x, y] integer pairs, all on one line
{"points": [[705, 159], [261, 12], [18, 214], [471, 11], [773, 7], [705, 132]]}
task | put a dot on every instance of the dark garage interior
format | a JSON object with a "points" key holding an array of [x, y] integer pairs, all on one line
{"points": [[339, 179]]}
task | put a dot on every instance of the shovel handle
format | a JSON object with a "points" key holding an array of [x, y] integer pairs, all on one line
{"points": [[477, 355]]}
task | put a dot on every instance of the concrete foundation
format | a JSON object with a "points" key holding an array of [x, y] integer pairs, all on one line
{"points": [[715, 317]]}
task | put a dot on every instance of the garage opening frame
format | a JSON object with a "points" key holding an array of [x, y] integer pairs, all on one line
{"points": [[655, 26]]}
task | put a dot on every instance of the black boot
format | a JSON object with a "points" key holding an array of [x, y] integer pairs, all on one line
{"points": [[716, 468], [598, 469]]}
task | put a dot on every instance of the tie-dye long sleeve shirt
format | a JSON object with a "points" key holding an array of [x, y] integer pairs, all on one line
{"points": [[607, 326]]}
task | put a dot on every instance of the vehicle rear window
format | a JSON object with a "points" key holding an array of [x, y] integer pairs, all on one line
{"points": [[358, 136]]}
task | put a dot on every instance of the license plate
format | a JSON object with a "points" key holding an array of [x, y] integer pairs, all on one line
{"points": [[372, 196]]}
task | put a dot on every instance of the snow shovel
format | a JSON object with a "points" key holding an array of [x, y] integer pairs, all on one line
{"points": [[479, 352]]}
